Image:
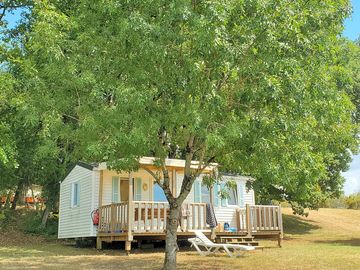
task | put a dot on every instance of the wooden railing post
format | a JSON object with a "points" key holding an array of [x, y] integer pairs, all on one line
{"points": [[100, 225], [281, 234], [248, 220], [238, 220], [112, 218], [130, 209]]}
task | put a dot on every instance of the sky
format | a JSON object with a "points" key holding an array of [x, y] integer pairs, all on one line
{"points": [[351, 31]]}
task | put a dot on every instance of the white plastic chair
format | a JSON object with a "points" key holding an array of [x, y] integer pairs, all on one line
{"points": [[211, 248]]}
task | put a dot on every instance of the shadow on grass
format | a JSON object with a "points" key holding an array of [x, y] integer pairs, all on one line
{"points": [[355, 242], [296, 225]]}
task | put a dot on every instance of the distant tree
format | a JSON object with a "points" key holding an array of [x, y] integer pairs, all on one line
{"points": [[27, 153], [249, 84]]}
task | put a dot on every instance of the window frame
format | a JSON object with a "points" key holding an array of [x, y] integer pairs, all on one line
{"points": [[207, 195], [75, 189], [235, 193], [113, 193]]}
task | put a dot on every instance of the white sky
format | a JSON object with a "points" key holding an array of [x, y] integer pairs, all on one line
{"points": [[352, 176]]}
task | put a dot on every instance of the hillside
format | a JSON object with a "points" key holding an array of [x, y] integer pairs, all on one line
{"points": [[327, 239]]}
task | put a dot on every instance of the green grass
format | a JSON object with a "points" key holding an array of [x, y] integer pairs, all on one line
{"points": [[327, 239]]}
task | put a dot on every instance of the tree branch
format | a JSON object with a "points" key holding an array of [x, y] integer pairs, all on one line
{"points": [[156, 177]]}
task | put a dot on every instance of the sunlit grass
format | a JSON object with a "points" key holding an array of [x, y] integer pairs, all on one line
{"points": [[327, 239]]}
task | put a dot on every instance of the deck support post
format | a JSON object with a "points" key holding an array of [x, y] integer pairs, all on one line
{"points": [[128, 247], [130, 212], [98, 243], [280, 238], [248, 220]]}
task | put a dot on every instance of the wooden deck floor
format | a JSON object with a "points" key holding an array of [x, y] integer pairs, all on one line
{"points": [[122, 236]]}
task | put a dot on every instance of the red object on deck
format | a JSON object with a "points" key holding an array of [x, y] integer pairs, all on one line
{"points": [[29, 200], [95, 217]]}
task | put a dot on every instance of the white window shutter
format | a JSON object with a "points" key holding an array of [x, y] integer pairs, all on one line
{"points": [[224, 201], [216, 189], [197, 191], [115, 189], [77, 194], [241, 193], [138, 189]]}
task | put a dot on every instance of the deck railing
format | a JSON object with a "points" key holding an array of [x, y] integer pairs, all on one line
{"points": [[257, 218], [113, 218], [148, 216], [193, 217]]}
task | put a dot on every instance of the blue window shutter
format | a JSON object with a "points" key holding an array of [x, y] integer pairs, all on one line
{"points": [[241, 193], [224, 201], [216, 195], [159, 195], [115, 189], [197, 191], [138, 189]]}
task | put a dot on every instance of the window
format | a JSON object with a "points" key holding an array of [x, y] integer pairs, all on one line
{"points": [[205, 194], [232, 199], [75, 194], [159, 195], [115, 189], [231, 192]]}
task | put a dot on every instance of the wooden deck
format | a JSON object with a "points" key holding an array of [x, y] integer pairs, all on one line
{"points": [[137, 220]]}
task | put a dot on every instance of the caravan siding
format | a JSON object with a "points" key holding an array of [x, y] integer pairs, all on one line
{"points": [[75, 221], [95, 196], [141, 177], [228, 213], [143, 185]]}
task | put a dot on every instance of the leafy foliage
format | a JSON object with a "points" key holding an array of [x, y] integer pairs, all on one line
{"points": [[353, 201], [30, 223], [263, 96], [261, 87]]}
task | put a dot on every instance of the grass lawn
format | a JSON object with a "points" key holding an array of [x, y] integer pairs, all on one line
{"points": [[327, 239]]}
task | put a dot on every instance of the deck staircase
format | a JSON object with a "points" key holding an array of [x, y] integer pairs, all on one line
{"points": [[241, 240]]}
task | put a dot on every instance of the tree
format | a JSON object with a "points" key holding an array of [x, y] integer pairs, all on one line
{"points": [[27, 154], [6, 142], [248, 84]]}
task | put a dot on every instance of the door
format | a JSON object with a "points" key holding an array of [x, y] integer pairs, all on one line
{"points": [[124, 189]]}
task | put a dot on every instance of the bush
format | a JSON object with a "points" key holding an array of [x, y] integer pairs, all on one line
{"points": [[31, 223], [335, 202], [6, 217], [353, 201]]}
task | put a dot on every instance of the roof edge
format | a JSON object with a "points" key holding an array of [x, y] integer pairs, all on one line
{"points": [[85, 165]]}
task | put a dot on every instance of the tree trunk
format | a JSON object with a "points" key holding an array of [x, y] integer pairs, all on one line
{"points": [[16, 196], [45, 216], [8, 200], [171, 247]]}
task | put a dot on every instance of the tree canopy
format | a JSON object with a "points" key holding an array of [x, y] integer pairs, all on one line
{"points": [[261, 87], [255, 85]]}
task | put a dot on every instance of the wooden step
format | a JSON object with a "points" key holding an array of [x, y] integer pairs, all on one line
{"points": [[253, 243], [240, 240]]}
